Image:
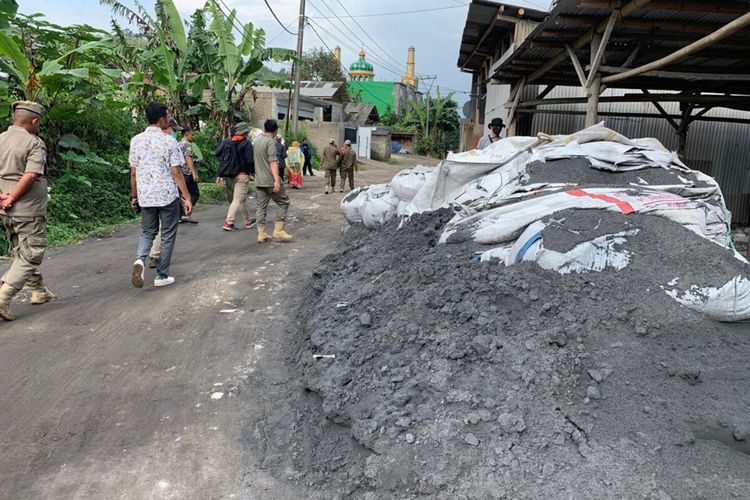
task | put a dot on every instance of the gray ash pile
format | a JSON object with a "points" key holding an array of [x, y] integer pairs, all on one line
{"points": [[446, 377]]}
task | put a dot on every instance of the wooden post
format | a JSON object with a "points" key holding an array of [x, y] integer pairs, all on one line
{"points": [[682, 132], [512, 115], [593, 90]]}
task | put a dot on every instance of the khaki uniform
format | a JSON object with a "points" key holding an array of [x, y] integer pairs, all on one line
{"points": [[26, 221], [329, 162], [348, 161]]}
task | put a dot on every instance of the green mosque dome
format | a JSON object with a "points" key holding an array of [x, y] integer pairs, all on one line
{"points": [[361, 69]]}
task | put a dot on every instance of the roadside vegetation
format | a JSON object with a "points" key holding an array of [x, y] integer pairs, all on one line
{"points": [[95, 83]]}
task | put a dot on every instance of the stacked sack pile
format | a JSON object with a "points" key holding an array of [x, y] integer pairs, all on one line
{"points": [[506, 195]]}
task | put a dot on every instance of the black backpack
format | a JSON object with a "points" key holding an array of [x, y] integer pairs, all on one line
{"points": [[236, 157]]}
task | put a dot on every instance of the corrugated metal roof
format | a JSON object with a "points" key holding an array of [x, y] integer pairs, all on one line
{"points": [[659, 28], [480, 18], [718, 149]]}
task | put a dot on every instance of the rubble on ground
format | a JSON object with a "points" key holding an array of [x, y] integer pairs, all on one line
{"points": [[454, 373]]}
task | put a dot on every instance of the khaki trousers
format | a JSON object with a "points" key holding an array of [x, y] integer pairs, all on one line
{"points": [[263, 195], [237, 188], [330, 178], [27, 243], [347, 174]]}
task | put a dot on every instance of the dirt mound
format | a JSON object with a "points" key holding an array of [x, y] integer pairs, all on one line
{"points": [[453, 378]]}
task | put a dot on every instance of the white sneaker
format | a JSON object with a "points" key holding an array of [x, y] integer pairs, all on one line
{"points": [[137, 276], [165, 281]]}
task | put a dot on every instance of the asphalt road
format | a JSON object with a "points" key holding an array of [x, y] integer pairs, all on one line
{"points": [[181, 392]]}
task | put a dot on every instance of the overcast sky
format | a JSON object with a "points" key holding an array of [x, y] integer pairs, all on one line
{"points": [[435, 34]]}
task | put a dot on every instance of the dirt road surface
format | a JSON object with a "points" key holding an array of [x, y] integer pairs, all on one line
{"points": [[183, 392]]}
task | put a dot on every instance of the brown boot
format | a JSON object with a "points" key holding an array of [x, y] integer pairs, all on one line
{"points": [[6, 294], [262, 234], [42, 296], [279, 233]]}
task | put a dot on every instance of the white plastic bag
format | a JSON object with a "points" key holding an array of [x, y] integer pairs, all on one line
{"points": [[730, 302], [408, 182]]}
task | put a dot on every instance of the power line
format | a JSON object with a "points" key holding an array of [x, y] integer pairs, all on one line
{"points": [[375, 56], [338, 40], [277, 35], [408, 11], [277, 19], [353, 49], [368, 35], [342, 65]]}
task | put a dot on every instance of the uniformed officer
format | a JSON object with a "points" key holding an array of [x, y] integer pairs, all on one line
{"points": [[23, 205]]}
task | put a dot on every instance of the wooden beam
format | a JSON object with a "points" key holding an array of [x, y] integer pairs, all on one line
{"points": [[628, 115], [594, 88], [602, 47], [679, 5], [577, 66], [663, 111], [544, 93], [631, 58], [684, 52], [499, 12], [683, 75], [661, 25], [714, 100], [514, 108], [630, 8]]}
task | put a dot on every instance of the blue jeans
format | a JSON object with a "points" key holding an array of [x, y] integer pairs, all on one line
{"points": [[170, 220]]}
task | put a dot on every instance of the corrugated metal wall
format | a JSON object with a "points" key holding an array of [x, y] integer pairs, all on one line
{"points": [[721, 150]]}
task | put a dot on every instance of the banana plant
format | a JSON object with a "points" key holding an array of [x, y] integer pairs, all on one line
{"points": [[163, 61], [239, 64], [30, 53]]}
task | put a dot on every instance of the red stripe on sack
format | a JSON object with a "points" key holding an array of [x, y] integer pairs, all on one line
{"points": [[624, 206]]}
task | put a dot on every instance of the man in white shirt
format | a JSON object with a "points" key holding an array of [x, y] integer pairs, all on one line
{"points": [[496, 127], [156, 183]]}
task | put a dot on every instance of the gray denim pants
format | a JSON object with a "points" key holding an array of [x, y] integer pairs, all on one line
{"points": [[169, 216]]}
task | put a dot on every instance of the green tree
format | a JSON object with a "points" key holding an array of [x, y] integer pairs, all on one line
{"points": [[438, 128], [320, 65], [238, 65]]}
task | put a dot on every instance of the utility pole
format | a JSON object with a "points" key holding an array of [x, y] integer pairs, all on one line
{"points": [[429, 91], [298, 65]]}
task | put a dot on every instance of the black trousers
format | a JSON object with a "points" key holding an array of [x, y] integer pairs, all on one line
{"points": [[193, 190], [307, 167]]}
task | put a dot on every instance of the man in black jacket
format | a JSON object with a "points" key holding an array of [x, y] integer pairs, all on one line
{"points": [[236, 167]]}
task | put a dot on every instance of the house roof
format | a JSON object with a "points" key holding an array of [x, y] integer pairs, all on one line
{"points": [[325, 90], [362, 112], [487, 22], [650, 29]]}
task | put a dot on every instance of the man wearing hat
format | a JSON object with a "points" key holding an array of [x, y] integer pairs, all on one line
{"points": [[23, 205], [237, 164], [496, 126], [329, 162], [348, 162]]}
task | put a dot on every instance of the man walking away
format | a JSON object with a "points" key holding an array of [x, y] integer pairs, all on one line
{"points": [[329, 161], [496, 127], [237, 164], [153, 256], [156, 183], [348, 165], [268, 184], [190, 170], [281, 154], [307, 153], [23, 205]]}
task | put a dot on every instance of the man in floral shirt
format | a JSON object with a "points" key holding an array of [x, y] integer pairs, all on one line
{"points": [[156, 183]]}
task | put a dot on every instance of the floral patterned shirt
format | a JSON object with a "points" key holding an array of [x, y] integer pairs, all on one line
{"points": [[153, 154]]}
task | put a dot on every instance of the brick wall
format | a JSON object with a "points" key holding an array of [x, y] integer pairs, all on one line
{"points": [[319, 133]]}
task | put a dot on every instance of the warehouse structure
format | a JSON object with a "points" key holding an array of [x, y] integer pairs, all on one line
{"points": [[675, 70]]}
